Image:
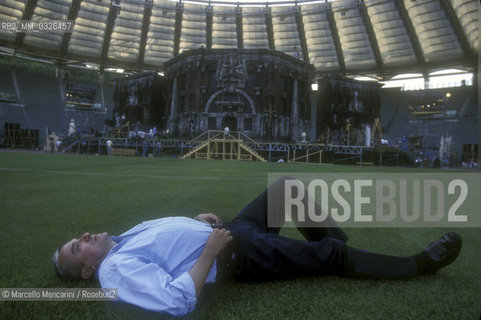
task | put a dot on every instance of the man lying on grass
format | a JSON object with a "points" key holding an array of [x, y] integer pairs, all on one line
{"points": [[163, 264]]}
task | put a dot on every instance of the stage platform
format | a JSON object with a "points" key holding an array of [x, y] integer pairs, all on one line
{"points": [[303, 152]]}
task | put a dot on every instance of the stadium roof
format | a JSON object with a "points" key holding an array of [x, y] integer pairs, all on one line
{"points": [[354, 37]]}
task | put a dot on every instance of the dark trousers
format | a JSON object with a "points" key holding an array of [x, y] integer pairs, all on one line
{"points": [[259, 253]]}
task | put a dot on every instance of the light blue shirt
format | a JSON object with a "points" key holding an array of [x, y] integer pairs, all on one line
{"points": [[150, 264]]}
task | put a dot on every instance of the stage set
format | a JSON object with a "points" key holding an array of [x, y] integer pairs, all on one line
{"points": [[263, 93], [246, 105]]}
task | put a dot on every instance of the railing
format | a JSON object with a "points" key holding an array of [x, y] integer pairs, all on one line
{"points": [[236, 141], [70, 146], [228, 135]]}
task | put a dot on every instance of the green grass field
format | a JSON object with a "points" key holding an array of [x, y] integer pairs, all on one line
{"points": [[47, 199]]}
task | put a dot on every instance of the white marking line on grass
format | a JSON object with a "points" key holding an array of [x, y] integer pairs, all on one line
{"points": [[128, 175]]}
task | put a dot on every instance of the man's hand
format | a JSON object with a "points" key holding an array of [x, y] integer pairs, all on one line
{"points": [[208, 218], [217, 241]]}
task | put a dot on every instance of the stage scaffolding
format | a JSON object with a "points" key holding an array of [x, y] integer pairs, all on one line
{"points": [[237, 146]]}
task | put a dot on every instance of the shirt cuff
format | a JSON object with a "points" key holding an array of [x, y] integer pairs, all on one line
{"points": [[185, 284]]}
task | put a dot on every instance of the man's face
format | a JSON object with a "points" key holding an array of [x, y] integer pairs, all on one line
{"points": [[88, 250]]}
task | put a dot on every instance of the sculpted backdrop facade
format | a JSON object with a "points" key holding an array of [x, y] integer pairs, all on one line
{"points": [[263, 93]]}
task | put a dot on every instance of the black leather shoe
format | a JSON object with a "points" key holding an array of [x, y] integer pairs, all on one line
{"points": [[443, 251]]}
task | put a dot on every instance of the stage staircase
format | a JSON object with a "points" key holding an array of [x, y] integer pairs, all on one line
{"points": [[70, 147], [223, 145]]}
